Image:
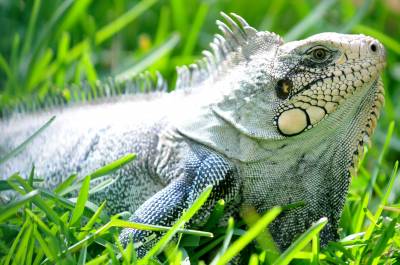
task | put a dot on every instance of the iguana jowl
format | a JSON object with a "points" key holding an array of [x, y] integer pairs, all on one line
{"points": [[265, 122]]}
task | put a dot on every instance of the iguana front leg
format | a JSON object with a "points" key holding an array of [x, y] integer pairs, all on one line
{"points": [[202, 168]]}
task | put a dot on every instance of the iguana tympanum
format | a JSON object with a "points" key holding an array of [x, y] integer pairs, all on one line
{"points": [[267, 123]]}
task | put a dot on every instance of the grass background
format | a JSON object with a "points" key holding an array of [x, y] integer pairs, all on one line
{"points": [[48, 45]]}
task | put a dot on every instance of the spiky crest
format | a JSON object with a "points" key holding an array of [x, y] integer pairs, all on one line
{"points": [[108, 89], [236, 44]]}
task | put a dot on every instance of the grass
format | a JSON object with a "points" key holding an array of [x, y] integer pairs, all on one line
{"points": [[48, 45]]}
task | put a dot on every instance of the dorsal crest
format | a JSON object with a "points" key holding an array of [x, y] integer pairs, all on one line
{"points": [[238, 42]]}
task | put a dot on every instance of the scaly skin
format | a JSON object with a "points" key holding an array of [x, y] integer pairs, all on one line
{"points": [[265, 122]]}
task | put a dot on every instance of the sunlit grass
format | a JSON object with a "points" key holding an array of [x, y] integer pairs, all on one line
{"points": [[48, 45]]}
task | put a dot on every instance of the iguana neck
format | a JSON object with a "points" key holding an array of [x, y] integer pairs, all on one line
{"points": [[347, 126]]}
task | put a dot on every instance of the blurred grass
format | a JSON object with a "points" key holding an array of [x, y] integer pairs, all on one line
{"points": [[47, 45]]}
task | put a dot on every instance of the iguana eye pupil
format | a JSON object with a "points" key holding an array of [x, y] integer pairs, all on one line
{"points": [[283, 88], [319, 54]]}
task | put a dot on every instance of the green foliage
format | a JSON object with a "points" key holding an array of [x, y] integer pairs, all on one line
{"points": [[48, 45]]}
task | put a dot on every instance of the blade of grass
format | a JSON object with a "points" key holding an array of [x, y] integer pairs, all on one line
{"points": [[193, 35], [123, 20], [40, 223], [250, 235], [90, 71], [39, 72], [113, 166], [44, 246], [313, 18], [179, 15], [105, 170], [22, 146], [215, 215], [20, 255], [66, 183], [31, 28], [90, 208], [85, 230], [15, 242], [38, 201], [125, 224], [227, 240], [74, 14], [360, 14], [384, 200], [14, 206], [301, 242], [360, 217], [5, 67], [389, 42], [392, 209], [151, 57], [82, 256], [381, 245], [158, 247], [80, 204]]}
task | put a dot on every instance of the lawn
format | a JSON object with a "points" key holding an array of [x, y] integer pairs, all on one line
{"points": [[49, 48]]}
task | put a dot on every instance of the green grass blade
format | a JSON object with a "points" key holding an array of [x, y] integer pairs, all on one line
{"points": [[82, 256], [313, 18], [4, 185], [122, 21], [80, 204], [182, 220], [44, 246], [39, 222], [193, 35], [154, 55], [74, 13], [250, 235], [384, 200], [139, 226], [13, 207], [15, 242], [360, 214], [388, 41], [22, 146], [301, 242], [107, 169], [215, 215], [227, 240], [31, 28], [65, 184], [91, 222], [381, 245], [20, 254], [113, 166], [5, 67], [90, 71], [39, 72], [179, 15], [360, 14], [38, 201]]}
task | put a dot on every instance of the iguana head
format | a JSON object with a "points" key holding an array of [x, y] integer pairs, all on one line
{"points": [[273, 91], [317, 75]]}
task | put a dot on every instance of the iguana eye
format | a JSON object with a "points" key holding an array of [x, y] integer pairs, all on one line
{"points": [[319, 54]]}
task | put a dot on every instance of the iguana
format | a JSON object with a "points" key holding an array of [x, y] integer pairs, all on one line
{"points": [[266, 123]]}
